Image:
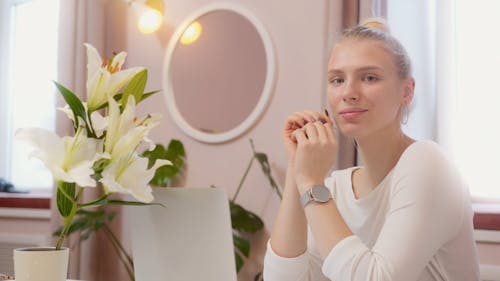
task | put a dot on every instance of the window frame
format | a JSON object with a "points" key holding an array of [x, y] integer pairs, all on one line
{"points": [[5, 123]]}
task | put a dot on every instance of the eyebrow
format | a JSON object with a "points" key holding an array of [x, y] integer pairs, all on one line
{"points": [[361, 69]]}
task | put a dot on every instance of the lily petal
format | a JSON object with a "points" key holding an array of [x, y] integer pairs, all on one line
{"points": [[131, 175], [69, 159], [94, 61], [48, 146], [119, 59]]}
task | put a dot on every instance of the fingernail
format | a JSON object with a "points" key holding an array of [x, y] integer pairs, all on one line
{"points": [[326, 112]]}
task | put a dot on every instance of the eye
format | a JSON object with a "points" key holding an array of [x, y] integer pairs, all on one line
{"points": [[370, 78], [336, 81]]}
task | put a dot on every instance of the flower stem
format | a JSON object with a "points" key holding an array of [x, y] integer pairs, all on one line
{"points": [[69, 219], [243, 179], [120, 251], [113, 237]]}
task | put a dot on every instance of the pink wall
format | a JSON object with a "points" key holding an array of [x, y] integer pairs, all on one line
{"points": [[298, 34]]}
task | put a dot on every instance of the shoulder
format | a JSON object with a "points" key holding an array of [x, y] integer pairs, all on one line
{"points": [[423, 156], [426, 172], [425, 150], [427, 178]]}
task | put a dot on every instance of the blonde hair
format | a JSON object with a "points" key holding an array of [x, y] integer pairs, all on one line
{"points": [[377, 29]]}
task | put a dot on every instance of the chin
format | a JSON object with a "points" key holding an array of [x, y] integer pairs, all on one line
{"points": [[350, 131]]}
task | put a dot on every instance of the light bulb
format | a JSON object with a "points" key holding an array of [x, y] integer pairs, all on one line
{"points": [[149, 21], [192, 32]]}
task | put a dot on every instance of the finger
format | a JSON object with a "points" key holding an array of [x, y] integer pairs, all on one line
{"points": [[326, 116], [330, 133], [300, 136], [321, 130], [311, 131], [299, 118], [312, 116]]}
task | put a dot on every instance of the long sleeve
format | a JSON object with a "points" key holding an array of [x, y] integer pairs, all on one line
{"points": [[415, 226], [306, 267], [425, 212]]}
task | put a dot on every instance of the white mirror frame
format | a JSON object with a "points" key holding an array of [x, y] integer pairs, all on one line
{"points": [[266, 91]]}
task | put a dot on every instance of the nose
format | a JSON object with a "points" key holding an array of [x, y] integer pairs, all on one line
{"points": [[351, 92]]}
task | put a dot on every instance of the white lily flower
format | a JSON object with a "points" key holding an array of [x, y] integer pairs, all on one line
{"points": [[69, 159], [105, 77], [130, 175], [99, 122], [125, 132]]}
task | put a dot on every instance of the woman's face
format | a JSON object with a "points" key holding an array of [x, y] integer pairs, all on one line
{"points": [[365, 91]]}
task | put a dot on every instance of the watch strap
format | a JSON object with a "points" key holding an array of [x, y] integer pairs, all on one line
{"points": [[317, 193], [305, 198]]}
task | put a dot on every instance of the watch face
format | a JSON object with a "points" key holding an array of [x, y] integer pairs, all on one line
{"points": [[320, 193]]}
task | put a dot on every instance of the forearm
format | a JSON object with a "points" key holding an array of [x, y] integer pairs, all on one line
{"points": [[327, 225], [289, 235]]}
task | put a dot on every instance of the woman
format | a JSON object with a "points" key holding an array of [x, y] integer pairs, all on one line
{"points": [[403, 215]]}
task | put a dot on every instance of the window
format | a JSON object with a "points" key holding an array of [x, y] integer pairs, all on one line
{"points": [[29, 30], [476, 130], [455, 44]]}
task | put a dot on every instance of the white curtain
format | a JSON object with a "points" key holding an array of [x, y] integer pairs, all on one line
{"points": [[445, 72], [425, 28], [413, 23]]}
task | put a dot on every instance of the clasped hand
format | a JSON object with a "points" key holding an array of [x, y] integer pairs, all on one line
{"points": [[311, 145]]}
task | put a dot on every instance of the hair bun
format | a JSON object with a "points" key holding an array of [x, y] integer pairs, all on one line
{"points": [[376, 23]]}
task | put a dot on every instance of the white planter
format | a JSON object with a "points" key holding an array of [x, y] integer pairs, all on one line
{"points": [[41, 264]]}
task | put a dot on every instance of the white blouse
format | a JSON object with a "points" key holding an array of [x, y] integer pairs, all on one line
{"points": [[416, 225]]}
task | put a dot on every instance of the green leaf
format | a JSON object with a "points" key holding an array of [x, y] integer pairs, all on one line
{"points": [[75, 104], [87, 222], [175, 147], [64, 204], [175, 153], [147, 95], [97, 202], [100, 164], [135, 87], [239, 261], [244, 220], [119, 96], [266, 169], [159, 152], [164, 175], [126, 203], [241, 244]]}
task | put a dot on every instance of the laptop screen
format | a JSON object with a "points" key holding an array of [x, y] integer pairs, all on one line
{"points": [[190, 238]]}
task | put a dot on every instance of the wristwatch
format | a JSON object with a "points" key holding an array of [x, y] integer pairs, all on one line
{"points": [[317, 193]]}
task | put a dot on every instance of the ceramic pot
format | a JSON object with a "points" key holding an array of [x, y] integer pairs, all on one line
{"points": [[41, 264]]}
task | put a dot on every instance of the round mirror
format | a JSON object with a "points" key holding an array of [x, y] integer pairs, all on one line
{"points": [[218, 73]]}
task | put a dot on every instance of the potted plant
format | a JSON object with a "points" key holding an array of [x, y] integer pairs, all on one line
{"points": [[103, 152]]}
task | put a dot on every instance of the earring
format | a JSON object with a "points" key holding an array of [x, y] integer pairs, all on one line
{"points": [[405, 114]]}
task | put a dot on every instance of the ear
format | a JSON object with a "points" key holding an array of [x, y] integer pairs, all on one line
{"points": [[409, 88]]}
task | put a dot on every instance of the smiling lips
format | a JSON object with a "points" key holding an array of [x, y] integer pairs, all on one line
{"points": [[352, 113]]}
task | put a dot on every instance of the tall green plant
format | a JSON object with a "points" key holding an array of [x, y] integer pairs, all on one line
{"points": [[243, 220]]}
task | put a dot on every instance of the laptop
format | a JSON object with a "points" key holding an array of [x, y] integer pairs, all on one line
{"points": [[189, 239]]}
